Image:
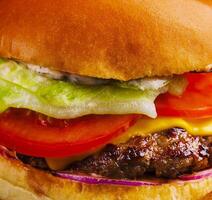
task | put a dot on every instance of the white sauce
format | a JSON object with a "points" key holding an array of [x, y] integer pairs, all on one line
{"points": [[83, 80]]}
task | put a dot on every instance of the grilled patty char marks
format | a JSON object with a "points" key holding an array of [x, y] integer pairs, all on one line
{"points": [[168, 154], [33, 161]]}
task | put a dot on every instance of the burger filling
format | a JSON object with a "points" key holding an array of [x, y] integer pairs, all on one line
{"points": [[166, 154], [158, 126]]}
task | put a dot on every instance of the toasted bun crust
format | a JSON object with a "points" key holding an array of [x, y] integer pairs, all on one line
{"points": [[109, 38], [18, 182]]}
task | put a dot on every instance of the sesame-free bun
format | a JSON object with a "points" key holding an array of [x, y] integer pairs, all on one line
{"points": [[22, 182], [109, 38]]}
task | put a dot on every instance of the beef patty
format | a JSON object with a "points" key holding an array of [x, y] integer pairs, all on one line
{"points": [[168, 154]]}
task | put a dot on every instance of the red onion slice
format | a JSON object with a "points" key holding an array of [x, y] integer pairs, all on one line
{"points": [[197, 175], [7, 153], [104, 181], [123, 182]]}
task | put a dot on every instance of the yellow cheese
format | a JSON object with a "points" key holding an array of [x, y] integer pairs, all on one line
{"points": [[62, 163], [58, 163], [143, 127], [201, 127]]}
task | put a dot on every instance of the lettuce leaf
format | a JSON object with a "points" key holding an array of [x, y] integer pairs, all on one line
{"points": [[22, 88]]}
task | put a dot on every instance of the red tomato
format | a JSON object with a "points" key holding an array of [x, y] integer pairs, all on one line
{"points": [[35, 135], [195, 102]]}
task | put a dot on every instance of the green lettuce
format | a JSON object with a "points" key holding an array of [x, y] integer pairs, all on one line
{"points": [[22, 88]]}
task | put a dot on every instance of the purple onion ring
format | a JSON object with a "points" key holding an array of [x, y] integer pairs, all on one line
{"points": [[7, 153], [197, 176], [94, 180]]}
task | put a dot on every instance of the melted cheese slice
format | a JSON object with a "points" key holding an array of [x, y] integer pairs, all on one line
{"points": [[144, 127], [61, 163]]}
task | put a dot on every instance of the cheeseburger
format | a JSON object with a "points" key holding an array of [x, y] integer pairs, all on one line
{"points": [[105, 99]]}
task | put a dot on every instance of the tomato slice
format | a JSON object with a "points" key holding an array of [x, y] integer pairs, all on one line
{"points": [[195, 102], [36, 135]]}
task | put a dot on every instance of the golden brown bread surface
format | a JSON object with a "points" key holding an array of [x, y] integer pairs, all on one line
{"points": [[207, 197], [18, 182], [120, 39]]}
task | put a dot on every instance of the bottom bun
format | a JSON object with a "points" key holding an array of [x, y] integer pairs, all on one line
{"points": [[22, 182]]}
